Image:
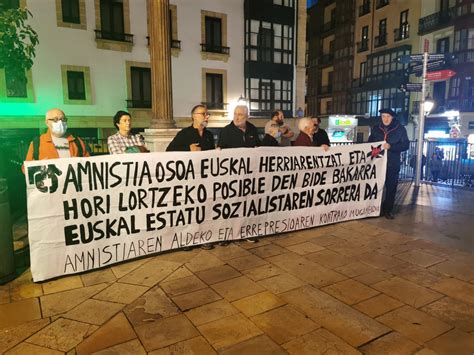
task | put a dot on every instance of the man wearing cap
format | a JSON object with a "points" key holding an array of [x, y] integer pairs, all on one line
{"points": [[396, 141]]}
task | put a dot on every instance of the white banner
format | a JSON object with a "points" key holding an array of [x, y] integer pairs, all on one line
{"points": [[87, 213]]}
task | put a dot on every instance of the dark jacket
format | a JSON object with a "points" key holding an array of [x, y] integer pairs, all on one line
{"points": [[269, 141], [303, 140], [233, 137], [321, 137], [395, 135], [188, 136]]}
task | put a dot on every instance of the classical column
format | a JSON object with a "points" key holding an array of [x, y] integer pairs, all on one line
{"points": [[160, 57]]}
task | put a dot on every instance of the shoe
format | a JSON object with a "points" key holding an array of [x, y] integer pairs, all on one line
{"points": [[207, 246], [186, 248], [252, 240], [224, 243], [389, 215]]}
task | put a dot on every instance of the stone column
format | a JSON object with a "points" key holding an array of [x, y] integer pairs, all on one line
{"points": [[162, 127]]}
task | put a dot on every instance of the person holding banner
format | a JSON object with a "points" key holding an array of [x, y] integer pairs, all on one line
{"points": [[272, 133], [195, 137], [320, 136], [239, 133], [286, 133], [305, 138], [396, 141], [56, 142], [122, 141]]}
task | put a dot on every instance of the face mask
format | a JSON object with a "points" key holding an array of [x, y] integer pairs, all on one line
{"points": [[59, 128], [278, 134], [204, 124]]}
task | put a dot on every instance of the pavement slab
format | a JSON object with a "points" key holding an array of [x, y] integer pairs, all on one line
{"points": [[183, 285], [460, 269], [11, 336], [340, 319], [328, 258], [355, 269], [391, 344], [196, 345], [132, 347], [211, 312], [94, 311], [25, 348], [16, 313], [378, 305], [237, 288], [195, 299], [98, 276], [455, 342], [454, 312], [150, 273], [261, 345], [420, 258], [202, 261], [305, 248], [246, 262], [457, 289], [281, 283], [350, 291], [218, 274], [62, 284], [259, 303], [268, 250], [121, 293], [263, 272]]}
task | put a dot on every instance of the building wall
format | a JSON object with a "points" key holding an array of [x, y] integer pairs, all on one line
{"points": [[108, 68]]}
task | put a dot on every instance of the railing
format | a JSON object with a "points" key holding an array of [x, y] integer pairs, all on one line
{"points": [[364, 9], [326, 58], [325, 89], [446, 161], [434, 21], [401, 33], [380, 40], [175, 44], [138, 104], [328, 26], [205, 47], [381, 3], [216, 105], [363, 45], [114, 36], [358, 82]]}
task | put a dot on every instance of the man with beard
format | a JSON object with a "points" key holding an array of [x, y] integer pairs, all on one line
{"points": [[195, 137], [320, 137], [396, 141], [286, 133], [239, 133]]}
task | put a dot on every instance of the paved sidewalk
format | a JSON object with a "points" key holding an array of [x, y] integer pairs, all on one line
{"points": [[371, 286]]}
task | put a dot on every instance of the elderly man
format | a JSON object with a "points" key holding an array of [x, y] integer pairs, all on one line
{"points": [[272, 133], [239, 133], [195, 137], [56, 142], [286, 133], [122, 141], [396, 141], [305, 138]]}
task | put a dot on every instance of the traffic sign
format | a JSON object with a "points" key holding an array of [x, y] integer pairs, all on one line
{"points": [[440, 74], [407, 58], [410, 87], [436, 65]]}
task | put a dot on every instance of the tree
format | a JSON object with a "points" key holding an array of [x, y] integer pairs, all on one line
{"points": [[17, 43]]}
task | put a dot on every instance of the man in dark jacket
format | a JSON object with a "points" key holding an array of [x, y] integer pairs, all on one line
{"points": [[195, 137], [396, 141], [320, 136], [272, 133], [239, 133]]}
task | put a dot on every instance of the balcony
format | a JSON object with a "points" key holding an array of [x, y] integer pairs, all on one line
{"points": [[215, 105], [380, 40], [364, 9], [325, 90], [363, 45], [435, 21], [358, 82], [114, 36], [329, 26], [381, 3], [401, 33], [326, 59], [212, 48], [138, 104]]}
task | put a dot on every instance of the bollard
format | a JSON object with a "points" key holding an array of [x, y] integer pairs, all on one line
{"points": [[7, 256]]}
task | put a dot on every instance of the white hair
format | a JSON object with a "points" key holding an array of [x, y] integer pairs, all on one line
{"points": [[304, 122]]}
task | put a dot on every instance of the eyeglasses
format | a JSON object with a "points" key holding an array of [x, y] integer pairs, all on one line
{"points": [[57, 119], [205, 114]]}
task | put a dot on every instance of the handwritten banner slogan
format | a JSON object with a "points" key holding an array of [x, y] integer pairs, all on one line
{"points": [[87, 213]]}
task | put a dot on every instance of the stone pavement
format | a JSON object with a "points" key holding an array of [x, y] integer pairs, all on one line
{"points": [[370, 286]]}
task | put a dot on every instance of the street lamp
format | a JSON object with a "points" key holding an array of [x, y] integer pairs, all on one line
{"points": [[428, 105]]}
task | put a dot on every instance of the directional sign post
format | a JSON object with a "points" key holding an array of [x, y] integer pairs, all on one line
{"points": [[411, 87], [440, 75]]}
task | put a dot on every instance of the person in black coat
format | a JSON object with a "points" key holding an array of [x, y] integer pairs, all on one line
{"points": [[396, 141], [320, 136], [272, 133], [240, 133], [195, 137]]}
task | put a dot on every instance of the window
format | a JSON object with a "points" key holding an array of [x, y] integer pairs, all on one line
{"points": [[383, 27], [76, 85], [365, 33], [442, 45], [112, 20], [404, 24], [288, 3], [16, 87], [454, 87], [265, 45], [213, 34], [70, 11], [141, 87], [363, 68], [214, 91], [266, 95]]}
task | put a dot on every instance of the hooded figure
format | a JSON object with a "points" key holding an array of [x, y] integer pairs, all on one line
{"points": [[395, 139]]}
